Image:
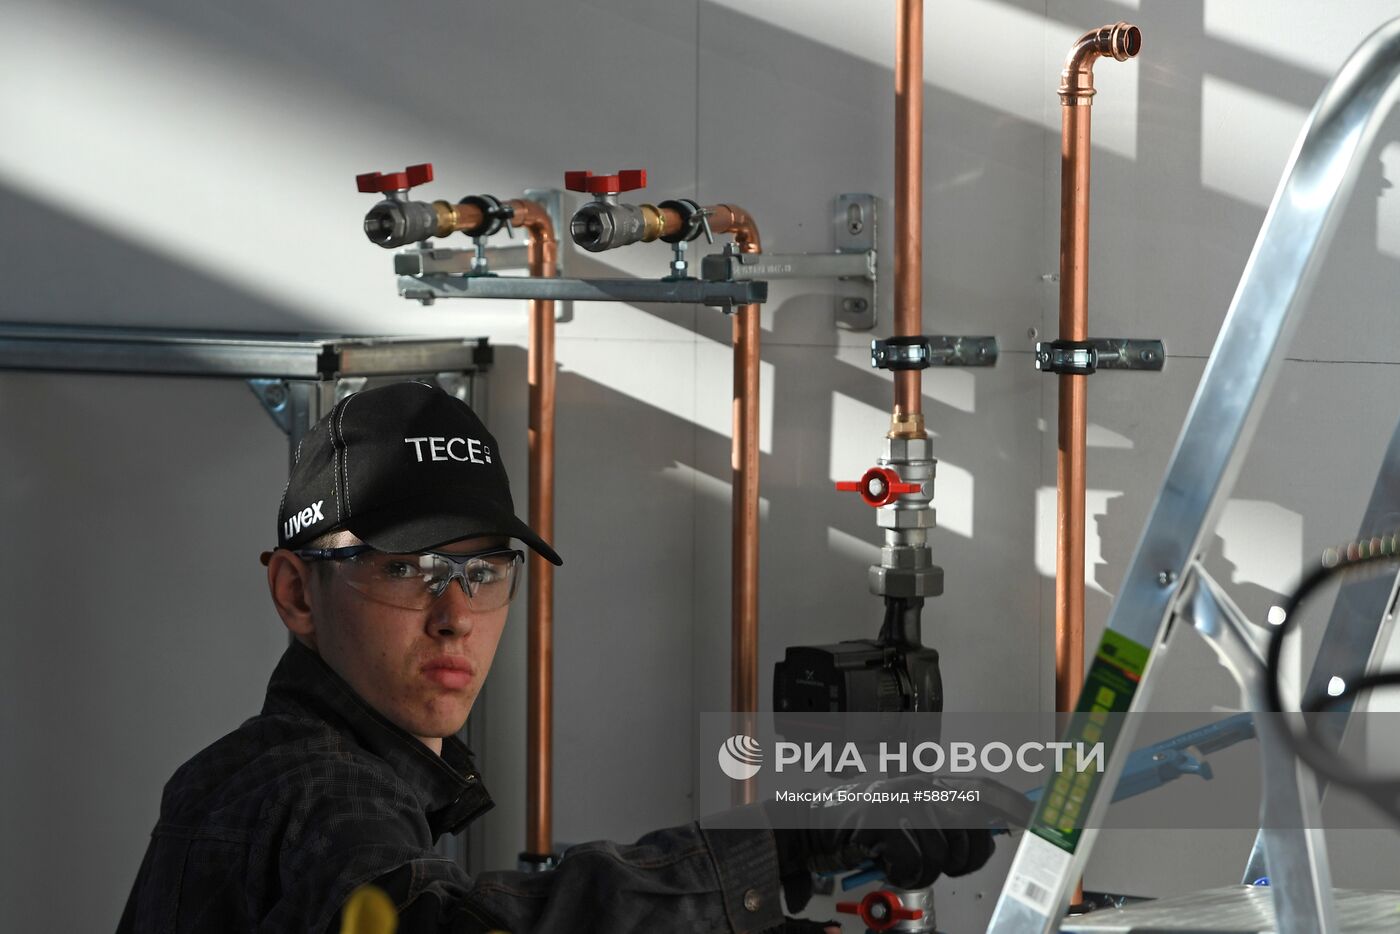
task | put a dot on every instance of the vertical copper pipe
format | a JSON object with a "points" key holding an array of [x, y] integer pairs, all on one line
{"points": [[1122, 42], [908, 419], [1069, 458], [744, 456], [539, 818]]}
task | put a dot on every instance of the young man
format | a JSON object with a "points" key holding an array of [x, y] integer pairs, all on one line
{"points": [[394, 572]]}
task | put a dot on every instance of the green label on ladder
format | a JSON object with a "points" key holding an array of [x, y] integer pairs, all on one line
{"points": [[1108, 689]]}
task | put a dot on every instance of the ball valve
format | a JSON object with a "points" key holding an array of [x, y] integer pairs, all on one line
{"points": [[881, 910], [606, 223], [879, 486], [396, 221]]}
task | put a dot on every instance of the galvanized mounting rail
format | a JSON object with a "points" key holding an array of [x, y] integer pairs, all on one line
{"points": [[296, 377], [1161, 576]]}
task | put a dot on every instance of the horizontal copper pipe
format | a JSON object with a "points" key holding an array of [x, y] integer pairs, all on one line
{"points": [[542, 255], [723, 219]]}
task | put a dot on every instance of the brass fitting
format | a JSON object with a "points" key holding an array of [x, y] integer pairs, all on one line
{"points": [[907, 425], [454, 217]]}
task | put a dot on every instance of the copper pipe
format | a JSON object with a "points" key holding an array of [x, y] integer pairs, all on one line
{"points": [[542, 255], [1121, 41], [744, 460], [907, 420]]}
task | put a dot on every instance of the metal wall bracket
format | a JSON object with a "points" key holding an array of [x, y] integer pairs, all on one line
{"points": [[723, 295], [275, 396], [1100, 353], [917, 353], [854, 261], [855, 227]]}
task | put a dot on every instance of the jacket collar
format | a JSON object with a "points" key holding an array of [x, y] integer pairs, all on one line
{"points": [[448, 786]]}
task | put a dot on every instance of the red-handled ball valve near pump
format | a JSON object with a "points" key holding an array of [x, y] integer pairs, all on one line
{"points": [[880, 910], [880, 486]]}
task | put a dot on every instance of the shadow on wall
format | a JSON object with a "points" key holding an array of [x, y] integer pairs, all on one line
{"points": [[58, 269]]}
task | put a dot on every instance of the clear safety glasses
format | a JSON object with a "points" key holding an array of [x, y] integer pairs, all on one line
{"points": [[413, 581]]}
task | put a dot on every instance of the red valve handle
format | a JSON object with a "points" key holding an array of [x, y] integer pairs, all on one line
{"points": [[880, 486], [395, 181], [881, 910], [624, 180]]}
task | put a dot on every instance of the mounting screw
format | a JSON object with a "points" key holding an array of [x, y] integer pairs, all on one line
{"points": [[277, 395], [1148, 356], [1166, 578], [1032, 333], [856, 306], [855, 227]]}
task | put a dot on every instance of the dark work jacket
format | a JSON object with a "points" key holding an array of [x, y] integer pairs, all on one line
{"points": [[271, 827]]}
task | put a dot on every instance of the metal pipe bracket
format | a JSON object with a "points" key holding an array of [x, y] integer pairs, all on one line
{"points": [[1081, 358], [923, 351]]}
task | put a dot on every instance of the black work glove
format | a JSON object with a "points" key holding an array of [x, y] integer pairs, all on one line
{"points": [[912, 843]]}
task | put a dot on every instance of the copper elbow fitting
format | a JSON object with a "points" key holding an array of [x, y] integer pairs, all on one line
{"points": [[1120, 41], [738, 223], [529, 215]]}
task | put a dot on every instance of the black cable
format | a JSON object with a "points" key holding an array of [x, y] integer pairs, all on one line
{"points": [[1383, 791]]}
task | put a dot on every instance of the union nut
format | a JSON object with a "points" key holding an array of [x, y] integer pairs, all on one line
{"points": [[906, 582], [907, 516], [900, 451], [906, 557]]}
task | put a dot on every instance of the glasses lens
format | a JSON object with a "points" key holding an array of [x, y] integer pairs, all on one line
{"points": [[491, 579], [414, 581]]}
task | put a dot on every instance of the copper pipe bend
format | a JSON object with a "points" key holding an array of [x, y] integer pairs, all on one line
{"points": [[1120, 41], [728, 219]]}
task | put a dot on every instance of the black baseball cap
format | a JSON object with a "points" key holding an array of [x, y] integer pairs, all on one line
{"points": [[405, 467]]}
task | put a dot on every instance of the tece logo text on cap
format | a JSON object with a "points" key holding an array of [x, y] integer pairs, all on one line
{"points": [[305, 519], [468, 450]]}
